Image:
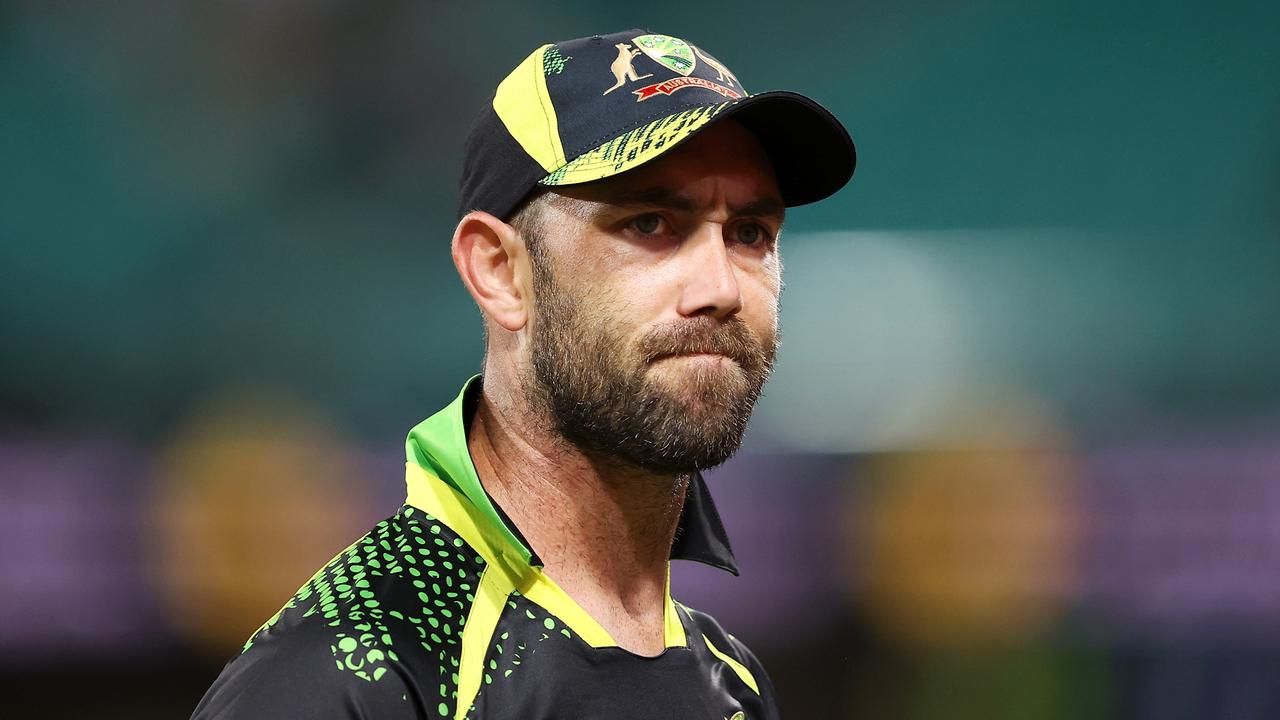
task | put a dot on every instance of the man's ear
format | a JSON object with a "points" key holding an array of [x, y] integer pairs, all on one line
{"points": [[492, 261]]}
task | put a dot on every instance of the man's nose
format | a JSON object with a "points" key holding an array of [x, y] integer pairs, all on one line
{"points": [[710, 278]]}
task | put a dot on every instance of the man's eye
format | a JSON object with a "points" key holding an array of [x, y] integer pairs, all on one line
{"points": [[750, 234], [647, 224]]}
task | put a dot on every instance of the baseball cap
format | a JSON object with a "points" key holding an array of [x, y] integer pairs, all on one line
{"points": [[591, 108]]}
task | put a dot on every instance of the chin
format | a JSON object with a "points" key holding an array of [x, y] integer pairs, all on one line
{"points": [[706, 398]]}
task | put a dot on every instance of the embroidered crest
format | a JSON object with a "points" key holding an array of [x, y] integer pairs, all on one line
{"points": [[666, 87], [622, 68], [722, 72], [672, 53]]}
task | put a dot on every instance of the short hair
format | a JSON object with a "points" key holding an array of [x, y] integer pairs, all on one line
{"points": [[529, 220]]}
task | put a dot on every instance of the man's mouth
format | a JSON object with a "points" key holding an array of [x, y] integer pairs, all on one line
{"points": [[704, 355]]}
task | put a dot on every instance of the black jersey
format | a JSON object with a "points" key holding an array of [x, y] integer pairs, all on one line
{"points": [[442, 611]]}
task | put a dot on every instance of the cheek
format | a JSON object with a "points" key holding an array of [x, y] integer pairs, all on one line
{"points": [[764, 286], [773, 268], [643, 294], [760, 305], [618, 308]]}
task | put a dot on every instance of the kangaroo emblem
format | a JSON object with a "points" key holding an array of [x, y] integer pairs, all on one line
{"points": [[721, 71], [622, 68]]}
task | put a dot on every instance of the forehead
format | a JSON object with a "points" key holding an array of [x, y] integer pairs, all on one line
{"points": [[723, 164]]}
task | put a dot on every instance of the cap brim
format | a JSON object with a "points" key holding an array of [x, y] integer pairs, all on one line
{"points": [[811, 152]]}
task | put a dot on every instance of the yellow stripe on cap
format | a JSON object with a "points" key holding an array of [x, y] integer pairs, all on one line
{"points": [[633, 148], [524, 106]]}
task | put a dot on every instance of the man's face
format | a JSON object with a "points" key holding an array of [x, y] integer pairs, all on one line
{"points": [[654, 324]]}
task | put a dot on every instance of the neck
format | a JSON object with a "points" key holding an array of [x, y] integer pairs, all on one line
{"points": [[602, 529]]}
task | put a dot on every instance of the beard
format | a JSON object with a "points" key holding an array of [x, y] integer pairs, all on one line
{"points": [[607, 397]]}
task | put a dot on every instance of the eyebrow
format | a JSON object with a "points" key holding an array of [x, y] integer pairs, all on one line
{"points": [[665, 198]]}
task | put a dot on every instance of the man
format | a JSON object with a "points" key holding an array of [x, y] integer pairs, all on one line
{"points": [[621, 243]]}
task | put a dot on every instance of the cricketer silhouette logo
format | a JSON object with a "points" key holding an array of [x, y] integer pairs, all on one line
{"points": [[675, 55]]}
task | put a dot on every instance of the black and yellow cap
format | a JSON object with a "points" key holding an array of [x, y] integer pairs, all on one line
{"points": [[590, 108]]}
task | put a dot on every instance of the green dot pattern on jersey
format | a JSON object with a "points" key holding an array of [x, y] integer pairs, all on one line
{"points": [[409, 581], [553, 61], [530, 626]]}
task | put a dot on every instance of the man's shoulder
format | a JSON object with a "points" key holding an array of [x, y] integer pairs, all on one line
{"points": [[379, 627], [708, 627], [729, 649]]}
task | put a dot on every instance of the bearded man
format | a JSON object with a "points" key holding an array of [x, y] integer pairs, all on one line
{"points": [[623, 250]]}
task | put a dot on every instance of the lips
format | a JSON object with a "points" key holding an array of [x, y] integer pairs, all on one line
{"points": [[704, 336], [695, 353]]}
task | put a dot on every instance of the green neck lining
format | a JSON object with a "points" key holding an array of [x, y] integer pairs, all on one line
{"points": [[439, 446]]}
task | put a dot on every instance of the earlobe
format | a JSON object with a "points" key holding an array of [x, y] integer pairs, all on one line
{"points": [[492, 262]]}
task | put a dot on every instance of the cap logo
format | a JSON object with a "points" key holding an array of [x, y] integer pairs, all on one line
{"points": [[722, 72], [622, 68], [671, 52], [667, 87]]}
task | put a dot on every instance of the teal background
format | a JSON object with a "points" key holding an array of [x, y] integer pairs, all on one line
{"points": [[212, 194]]}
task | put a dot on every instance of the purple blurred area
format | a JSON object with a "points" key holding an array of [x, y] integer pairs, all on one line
{"points": [[1176, 591], [72, 565], [1184, 539]]}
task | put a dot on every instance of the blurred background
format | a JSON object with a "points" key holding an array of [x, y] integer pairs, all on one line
{"points": [[1020, 459]]}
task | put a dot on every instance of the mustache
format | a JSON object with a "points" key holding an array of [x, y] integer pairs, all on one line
{"points": [[731, 338]]}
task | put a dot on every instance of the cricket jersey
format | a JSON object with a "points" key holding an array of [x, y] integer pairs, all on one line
{"points": [[442, 611]]}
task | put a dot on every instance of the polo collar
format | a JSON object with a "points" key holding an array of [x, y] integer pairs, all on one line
{"points": [[439, 446]]}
